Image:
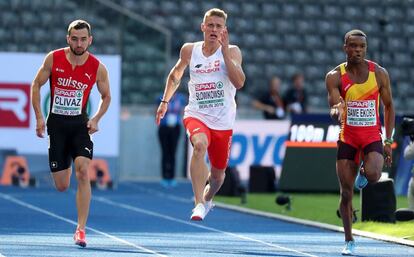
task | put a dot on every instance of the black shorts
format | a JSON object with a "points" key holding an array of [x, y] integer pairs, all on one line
{"points": [[348, 152], [68, 138]]}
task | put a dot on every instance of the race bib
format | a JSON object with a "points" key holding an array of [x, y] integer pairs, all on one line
{"points": [[67, 102], [361, 113], [209, 95]]}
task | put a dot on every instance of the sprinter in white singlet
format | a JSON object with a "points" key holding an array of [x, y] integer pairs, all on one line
{"points": [[215, 75]]}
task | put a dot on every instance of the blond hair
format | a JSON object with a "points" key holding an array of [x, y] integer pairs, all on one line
{"points": [[354, 32], [215, 12], [79, 24]]}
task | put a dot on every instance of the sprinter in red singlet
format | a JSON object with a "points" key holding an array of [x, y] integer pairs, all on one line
{"points": [[355, 89], [215, 75], [72, 72]]}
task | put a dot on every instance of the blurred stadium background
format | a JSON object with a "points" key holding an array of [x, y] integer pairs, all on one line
{"points": [[276, 37]]}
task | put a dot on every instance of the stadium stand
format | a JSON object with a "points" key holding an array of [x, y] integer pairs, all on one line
{"points": [[277, 38]]}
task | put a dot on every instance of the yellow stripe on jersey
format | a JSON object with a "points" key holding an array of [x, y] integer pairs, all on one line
{"points": [[364, 90]]}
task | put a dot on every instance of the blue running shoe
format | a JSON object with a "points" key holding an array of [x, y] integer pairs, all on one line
{"points": [[165, 183], [172, 183], [349, 248], [360, 181]]}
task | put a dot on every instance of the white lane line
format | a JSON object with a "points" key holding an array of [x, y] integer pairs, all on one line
{"points": [[392, 239], [38, 209], [166, 217], [161, 194], [243, 210]]}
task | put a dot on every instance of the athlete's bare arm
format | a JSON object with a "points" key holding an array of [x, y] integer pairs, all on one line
{"points": [[102, 81], [336, 103], [174, 79], [233, 59], [389, 113], [42, 76]]}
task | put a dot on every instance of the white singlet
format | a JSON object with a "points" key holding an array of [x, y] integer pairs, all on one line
{"points": [[212, 95]]}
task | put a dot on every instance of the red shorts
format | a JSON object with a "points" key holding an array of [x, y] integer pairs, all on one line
{"points": [[354, 143], [348, 152], [219, 141], [359, 138]]}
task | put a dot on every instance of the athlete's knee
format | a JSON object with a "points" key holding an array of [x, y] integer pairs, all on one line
{"points": [[373, 177], [200, 148], [82, 174], [346, 196], [61, 179], [61, 187], [218, 176], [373, 171]]}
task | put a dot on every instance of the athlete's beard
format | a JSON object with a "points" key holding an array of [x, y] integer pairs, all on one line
{"points": [[78, 54]]}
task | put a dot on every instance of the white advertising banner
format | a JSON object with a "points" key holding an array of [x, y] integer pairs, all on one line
{"points": [[256, 142], [17, 119]]}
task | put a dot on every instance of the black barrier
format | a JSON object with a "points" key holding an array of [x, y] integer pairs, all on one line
{"points": [[310, 159], [262, 179], [309, 170], [378, 202], [231, 185]]}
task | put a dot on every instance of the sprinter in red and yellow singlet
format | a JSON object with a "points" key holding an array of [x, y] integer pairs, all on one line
{"points": [[355, 90]]}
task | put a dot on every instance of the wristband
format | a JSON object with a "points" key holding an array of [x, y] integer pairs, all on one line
{"points": [[163, 101], [388, 141]]}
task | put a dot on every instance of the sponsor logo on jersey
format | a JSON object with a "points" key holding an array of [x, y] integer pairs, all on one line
{"points": [[205, 86], [67, 93], [209, 86], [361, 104], [209, 68], [53, 164], [347, 86]]}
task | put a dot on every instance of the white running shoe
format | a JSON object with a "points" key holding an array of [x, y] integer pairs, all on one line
{"points": [[349, 248], [199, 212], [208, 206]]}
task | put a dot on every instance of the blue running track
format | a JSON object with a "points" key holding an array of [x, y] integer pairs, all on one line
{"points": [[143, 219]]}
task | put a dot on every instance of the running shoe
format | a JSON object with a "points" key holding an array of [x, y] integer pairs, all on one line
{"points": [[349, 248], [199, 212], [208, 206], [172, 183], [168, 183], [165, 183], [80, 237], [361, 181]]}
